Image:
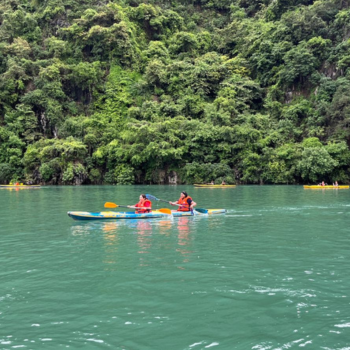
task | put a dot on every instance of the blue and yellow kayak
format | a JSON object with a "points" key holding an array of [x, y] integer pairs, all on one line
{"points": [[113, 215]]}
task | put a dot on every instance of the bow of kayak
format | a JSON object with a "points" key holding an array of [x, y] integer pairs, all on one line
{"points": [[188, 213], [216, 211]]}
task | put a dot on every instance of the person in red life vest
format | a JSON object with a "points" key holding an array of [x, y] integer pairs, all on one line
{"points": [[143, 206], [185, 202]]}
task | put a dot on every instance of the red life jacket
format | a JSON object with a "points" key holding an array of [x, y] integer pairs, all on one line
{"points": [[144, 204], [184, 204]]}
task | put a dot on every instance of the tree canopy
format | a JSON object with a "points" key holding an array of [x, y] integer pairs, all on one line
{"points": [[126, 91]]}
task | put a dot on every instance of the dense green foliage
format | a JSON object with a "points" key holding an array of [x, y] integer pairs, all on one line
{"points": [[127, 91]]}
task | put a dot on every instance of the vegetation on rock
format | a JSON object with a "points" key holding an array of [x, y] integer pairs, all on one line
{"points": [[126, 91]]}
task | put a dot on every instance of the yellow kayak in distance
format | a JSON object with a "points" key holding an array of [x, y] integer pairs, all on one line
{"points": [[328, 187], [19, 186], [213, 186]]}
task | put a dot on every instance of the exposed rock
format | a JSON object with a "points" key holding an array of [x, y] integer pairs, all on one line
{"points": [[172, 178]]}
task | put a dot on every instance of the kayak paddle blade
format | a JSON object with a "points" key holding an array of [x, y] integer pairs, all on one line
{"points": [[165, 211], [200, 210], [151, 198], [110, 205]]}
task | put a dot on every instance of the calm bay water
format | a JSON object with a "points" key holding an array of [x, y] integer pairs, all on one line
{"points": [[273, 273]]}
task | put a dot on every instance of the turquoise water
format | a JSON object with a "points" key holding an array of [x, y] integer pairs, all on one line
{"points": [[273, 273]]}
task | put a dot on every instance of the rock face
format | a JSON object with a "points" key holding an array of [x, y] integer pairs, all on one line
{"points": [[172, 178], [79, 179], [168, 177]]}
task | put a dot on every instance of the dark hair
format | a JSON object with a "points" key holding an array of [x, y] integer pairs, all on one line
{"points": [[144, 196], [185, 193]]}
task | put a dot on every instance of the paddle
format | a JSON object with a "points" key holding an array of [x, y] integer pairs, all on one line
{"points": [[113, 205], [200, 210]]}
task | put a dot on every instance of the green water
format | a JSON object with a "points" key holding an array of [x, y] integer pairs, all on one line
{"points": [[273, 273]]}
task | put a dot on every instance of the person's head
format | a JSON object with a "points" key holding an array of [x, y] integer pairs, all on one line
{"points": [[183, 194], [143, 197]]}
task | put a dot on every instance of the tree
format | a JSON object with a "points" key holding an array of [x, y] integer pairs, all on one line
{"points": [[316, 162]]}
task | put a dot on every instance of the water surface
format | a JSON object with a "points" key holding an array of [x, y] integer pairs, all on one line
{"points": [[273, 273]]}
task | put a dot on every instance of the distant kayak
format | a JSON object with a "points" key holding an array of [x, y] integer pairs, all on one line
{"points": [[213, 186], [317, 187], [112, 215], [20, 186]]}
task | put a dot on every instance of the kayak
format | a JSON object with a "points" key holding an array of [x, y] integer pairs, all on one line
{"points": [[20, 186], [87, 215], [314, 187], [108, 215], [213, 186]]}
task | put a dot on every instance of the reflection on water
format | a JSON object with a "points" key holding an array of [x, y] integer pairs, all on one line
{"points": [[183, 238], [183, 228], [144, 239], [165, 226], [110, 226], [144, 230], [84, 228], [87, 227], [111, 243]]}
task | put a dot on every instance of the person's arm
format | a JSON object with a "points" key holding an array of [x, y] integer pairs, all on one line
{"points": [[133, 206], [173, 203], [191, 203]]}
